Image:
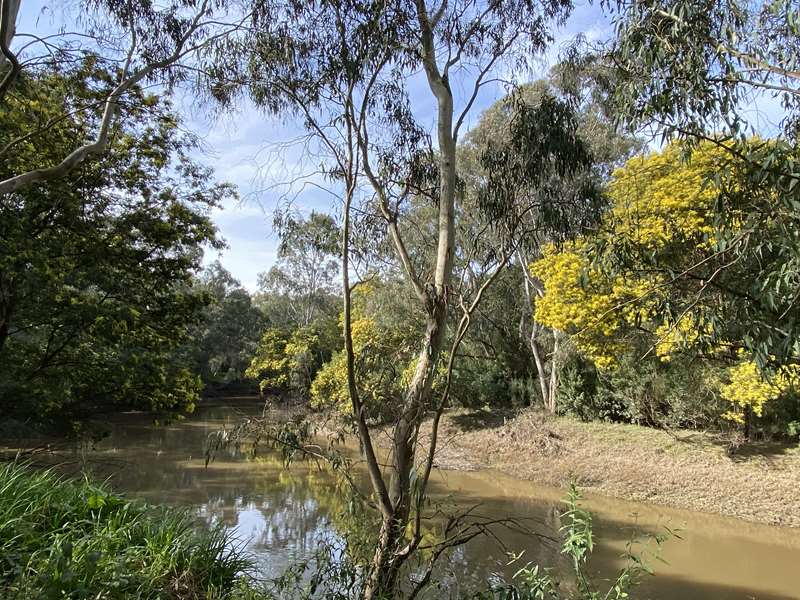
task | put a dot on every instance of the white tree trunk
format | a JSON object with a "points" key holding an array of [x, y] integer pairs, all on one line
{"points": [[9, 66], [547, 370]]}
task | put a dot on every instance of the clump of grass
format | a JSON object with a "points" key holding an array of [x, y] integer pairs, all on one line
{"points": [[75, 539]]}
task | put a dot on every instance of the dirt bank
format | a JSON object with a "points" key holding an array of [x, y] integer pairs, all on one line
{"points": [[684, 469]]}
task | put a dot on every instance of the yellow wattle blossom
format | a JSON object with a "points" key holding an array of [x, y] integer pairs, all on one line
{"points": [[271, 363], [661, 203], [593, 311], [329, 387], [660, 199], [749, 388], [672, 337]]}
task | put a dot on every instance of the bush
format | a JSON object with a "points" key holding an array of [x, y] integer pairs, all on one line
{"points": [[579, 394], [288, 361], [781, 417], [647, 391], [479, 382], [64, 539]]}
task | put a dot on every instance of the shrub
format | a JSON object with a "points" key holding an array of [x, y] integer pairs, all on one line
{"points": [[680, 393], [287, 361]]}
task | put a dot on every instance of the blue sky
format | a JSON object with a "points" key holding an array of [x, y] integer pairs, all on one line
{"points": [[251, 151], [254, 151]]}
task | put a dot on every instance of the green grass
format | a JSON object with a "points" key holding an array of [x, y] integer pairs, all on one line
{"points": [[75, 539]]}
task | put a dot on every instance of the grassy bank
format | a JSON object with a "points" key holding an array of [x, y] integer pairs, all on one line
{"points": [[683, 469], [74, 539]]}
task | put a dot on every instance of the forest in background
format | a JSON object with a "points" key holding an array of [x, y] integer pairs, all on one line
{"points": [[629, 313]]}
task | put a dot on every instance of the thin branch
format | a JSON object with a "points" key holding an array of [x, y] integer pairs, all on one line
{"points": [[6, 33], [461, 331], [479, 84], [378, 483]]}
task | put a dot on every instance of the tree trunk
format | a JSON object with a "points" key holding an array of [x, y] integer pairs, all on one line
{"points": [[9, 65], [389, 557], [384, 572], [541, 368], [553, 388], [9, 10], [547, 373], [748, 423], [4, 326]]}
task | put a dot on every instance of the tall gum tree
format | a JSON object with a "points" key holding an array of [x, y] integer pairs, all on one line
{"points": [[555, 200], [346, 69]]}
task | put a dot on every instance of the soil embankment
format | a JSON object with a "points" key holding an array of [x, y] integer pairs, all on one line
{"points": [[684, 469]]}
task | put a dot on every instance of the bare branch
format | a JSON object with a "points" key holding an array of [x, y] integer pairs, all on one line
{"points": [[111, 107]]}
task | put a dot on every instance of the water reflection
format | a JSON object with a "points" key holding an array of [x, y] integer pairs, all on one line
{"points": [[283, 514]]}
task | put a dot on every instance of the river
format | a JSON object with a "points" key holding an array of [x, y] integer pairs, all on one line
{"points": [[282, 513]]}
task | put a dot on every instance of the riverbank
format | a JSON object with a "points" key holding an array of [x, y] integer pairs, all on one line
{"points": [[683, 469], [74, 539]]}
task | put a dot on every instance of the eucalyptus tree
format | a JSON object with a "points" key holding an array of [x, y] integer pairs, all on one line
{"points": [[302, 285], [346, 70], [150, 44], [720, 72], [555, 199]]}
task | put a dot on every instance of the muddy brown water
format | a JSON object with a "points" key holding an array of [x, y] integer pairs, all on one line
{"points": [[283, 513]]}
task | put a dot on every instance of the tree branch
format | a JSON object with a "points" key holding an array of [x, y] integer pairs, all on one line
{"points": [[111, 105], [8, 17]]}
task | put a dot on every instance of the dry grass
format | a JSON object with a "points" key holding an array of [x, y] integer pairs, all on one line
{"points": [[684, 469]]}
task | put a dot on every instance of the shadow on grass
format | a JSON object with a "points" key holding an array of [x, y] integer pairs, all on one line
{"points": [[481, 419], [737, 450], [765, 450]]}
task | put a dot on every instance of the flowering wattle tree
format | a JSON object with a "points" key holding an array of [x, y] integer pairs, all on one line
{"points": [[663, 266]]}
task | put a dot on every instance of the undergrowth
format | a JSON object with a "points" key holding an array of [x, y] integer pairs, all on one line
{"points": [[75, 539]]}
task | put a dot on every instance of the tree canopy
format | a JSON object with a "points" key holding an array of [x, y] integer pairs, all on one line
{"points": [[618, 240], [96, 269]]}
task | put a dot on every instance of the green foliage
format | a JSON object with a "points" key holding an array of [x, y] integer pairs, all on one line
{"points": [[694, 70], [221, 345], [486, 382], [96, 268], [692, 66], [531, 582], [302, 286], [577, 393], [64, 539], [681, 393], [288, 361], [495, 366]]}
